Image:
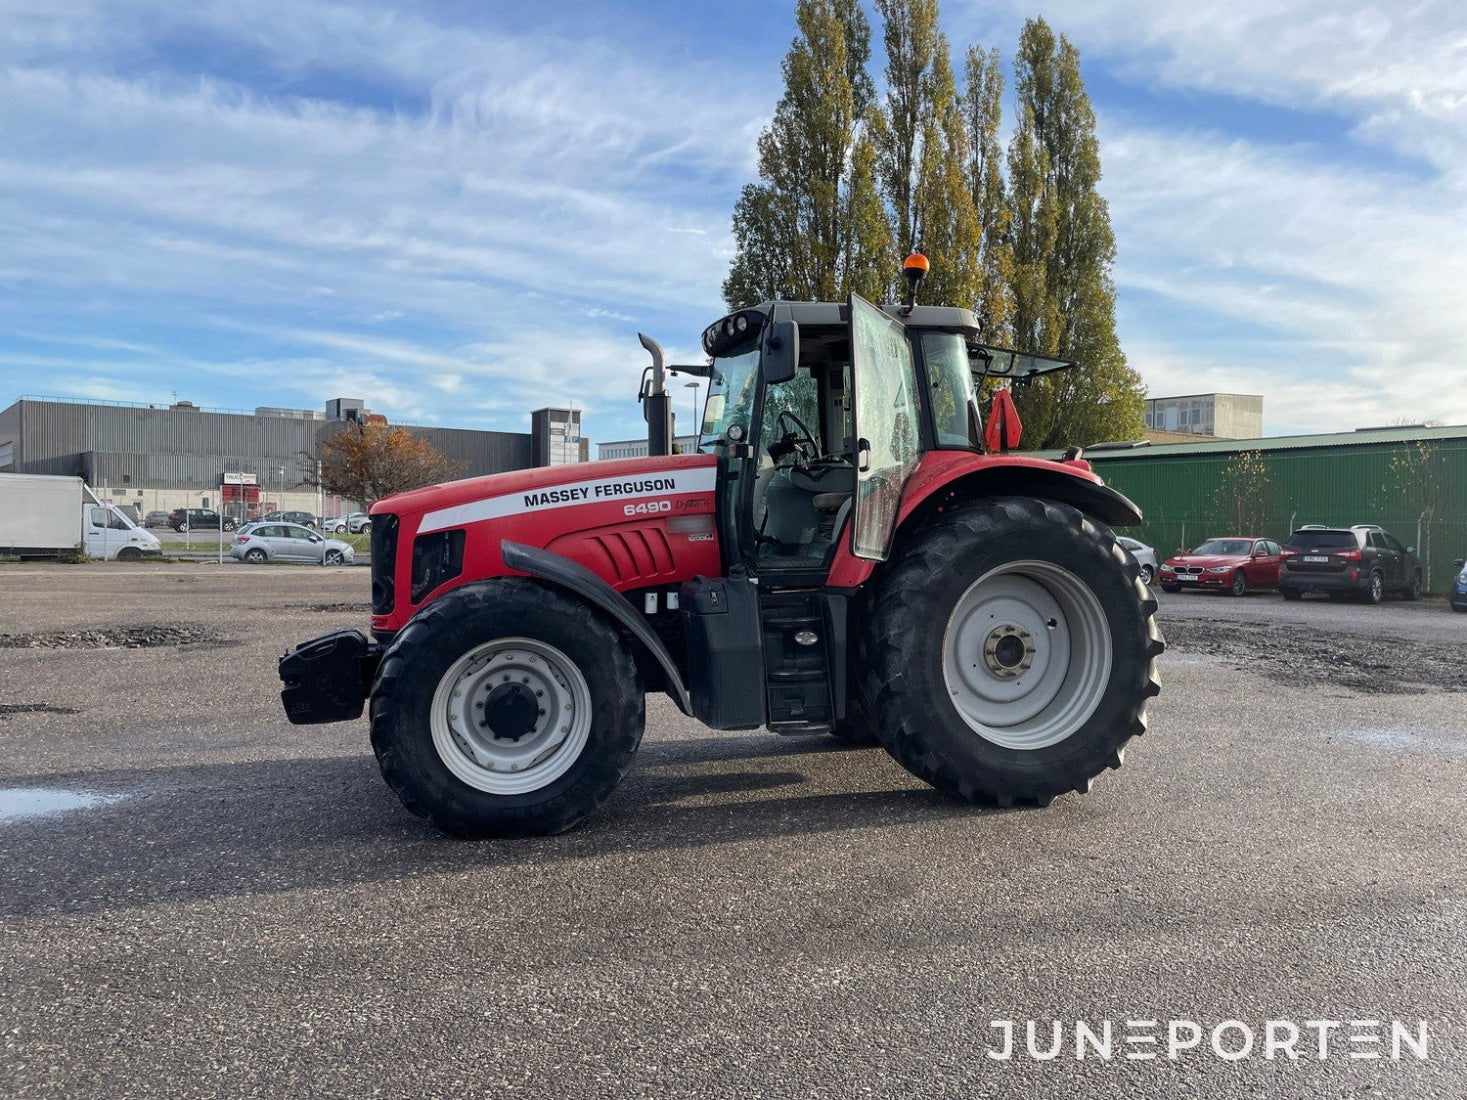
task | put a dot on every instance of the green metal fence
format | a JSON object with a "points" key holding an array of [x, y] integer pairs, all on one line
{"points": [[1411, 482]]}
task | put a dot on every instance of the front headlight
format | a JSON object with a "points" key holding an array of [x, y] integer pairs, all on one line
{"points": [[1219, 568], [1462, 577]]}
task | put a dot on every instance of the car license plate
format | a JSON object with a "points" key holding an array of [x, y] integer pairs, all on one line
{"points": [[1315, 559], [1185, 577]]}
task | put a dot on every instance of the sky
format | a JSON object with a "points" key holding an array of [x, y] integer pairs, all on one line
{"points": [[464, 210]]}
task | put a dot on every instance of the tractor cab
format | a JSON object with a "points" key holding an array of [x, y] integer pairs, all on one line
{"points": [[820, 413]]}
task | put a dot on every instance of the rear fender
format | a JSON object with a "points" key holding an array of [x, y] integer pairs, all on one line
{"points": [[945, 478], [577, 579]]}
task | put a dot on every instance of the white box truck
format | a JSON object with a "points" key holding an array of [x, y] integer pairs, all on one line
{"points": [[59, 517]]}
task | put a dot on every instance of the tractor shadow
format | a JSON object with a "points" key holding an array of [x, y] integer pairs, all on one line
{"points": [[236, 830]]}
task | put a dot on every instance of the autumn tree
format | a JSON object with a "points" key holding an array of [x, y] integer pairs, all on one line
{"points": [[922, 148], [1246, 496], [813, 227], [1063, 250], [366, 462], [983, 107], [1421, 477]]}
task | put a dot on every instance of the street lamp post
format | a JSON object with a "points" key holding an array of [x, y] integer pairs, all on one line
{"points": [[697, 428]]}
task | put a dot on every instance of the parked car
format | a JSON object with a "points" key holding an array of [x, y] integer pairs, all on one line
{"points": [[263, 542], [199, 519], [1364, 561], [1458, 595], [1145, 556], [1233, 564], [357, 523], [305, 519], [156, 519]]}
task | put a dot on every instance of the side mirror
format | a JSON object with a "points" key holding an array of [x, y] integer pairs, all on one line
{"points": [[779, 351]]}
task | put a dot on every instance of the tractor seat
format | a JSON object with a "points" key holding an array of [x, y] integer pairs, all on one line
{"points": [[830, 502]]}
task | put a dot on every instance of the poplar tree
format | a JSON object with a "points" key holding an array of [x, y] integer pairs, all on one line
{"points": [[983, 107], [812, 227], [1063, 250], [923, 150]]}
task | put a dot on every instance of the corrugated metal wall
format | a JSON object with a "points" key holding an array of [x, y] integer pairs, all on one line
{"points": [[1334, 485], [169, 448]]}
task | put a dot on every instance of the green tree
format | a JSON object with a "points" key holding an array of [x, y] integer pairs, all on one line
{"points": [[1063, 249], [983, 105], [809, 229], [366, 462]]}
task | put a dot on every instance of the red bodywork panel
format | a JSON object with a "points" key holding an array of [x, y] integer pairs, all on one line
{"points": [[935, 471], [635, 523]]}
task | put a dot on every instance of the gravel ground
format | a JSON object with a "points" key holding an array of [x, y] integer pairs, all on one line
{"points": [[217, 904]]}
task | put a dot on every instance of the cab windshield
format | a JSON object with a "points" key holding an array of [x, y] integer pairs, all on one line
{"points": [[730, 394]]}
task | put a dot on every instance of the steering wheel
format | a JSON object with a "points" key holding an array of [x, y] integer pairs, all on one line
{"points": [[804, 439]]}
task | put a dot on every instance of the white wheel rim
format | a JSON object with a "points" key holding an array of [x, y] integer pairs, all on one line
{"points": [[1026, 655], [511, 716]]}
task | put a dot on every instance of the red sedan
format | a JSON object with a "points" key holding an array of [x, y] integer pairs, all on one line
{"points": [[1232, 564]]}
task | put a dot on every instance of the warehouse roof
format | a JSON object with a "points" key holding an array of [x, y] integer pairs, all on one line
{"points": [[1109, 452]]}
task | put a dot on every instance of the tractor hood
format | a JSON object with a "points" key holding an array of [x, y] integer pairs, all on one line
{"points": [[636, 523], [530, 490]]}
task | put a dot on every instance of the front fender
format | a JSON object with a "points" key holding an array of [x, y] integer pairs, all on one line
{"points": [[576, 578]]}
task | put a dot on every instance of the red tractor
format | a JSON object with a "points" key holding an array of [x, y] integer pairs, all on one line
{"points": [[848, 552]]}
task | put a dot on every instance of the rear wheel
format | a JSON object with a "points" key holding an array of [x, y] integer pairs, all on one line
{"points": [[856, 728], [1413, 590], [1376, 590], [506, 709], [257, 556], [1239, 586], [1044, 662], [1146, 575]]}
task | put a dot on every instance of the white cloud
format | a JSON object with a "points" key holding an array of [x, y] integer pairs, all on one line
{"points": [[481, 221]]}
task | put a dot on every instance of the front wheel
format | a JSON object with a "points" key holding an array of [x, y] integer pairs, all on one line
{"points": [[332, 557], [1239, 586], [129, 553], [1413, 590], [1014, 652], [1147, 575], [506, 709]]}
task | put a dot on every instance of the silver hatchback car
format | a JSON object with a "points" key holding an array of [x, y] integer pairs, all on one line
{"points": [[1145, 556], [262, 542]]}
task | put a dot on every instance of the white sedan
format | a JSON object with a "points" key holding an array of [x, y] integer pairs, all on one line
{"points": [[262, 542], [1145, 556]]}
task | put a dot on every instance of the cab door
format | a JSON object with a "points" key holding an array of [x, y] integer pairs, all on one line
{"points": [[884, 385]]}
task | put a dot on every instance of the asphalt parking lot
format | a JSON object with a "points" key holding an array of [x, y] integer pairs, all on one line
{"points": [[221, 904]]}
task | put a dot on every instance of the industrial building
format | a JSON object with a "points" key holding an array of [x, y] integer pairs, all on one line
{"points": [[161, 457], [1225, 415], [1412, 481]]}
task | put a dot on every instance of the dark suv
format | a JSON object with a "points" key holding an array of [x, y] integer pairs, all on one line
{"points": [[198, 519], [1364, 561]]}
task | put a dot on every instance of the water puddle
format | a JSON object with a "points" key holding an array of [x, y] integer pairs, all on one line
{"points": [[22, 802]]}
